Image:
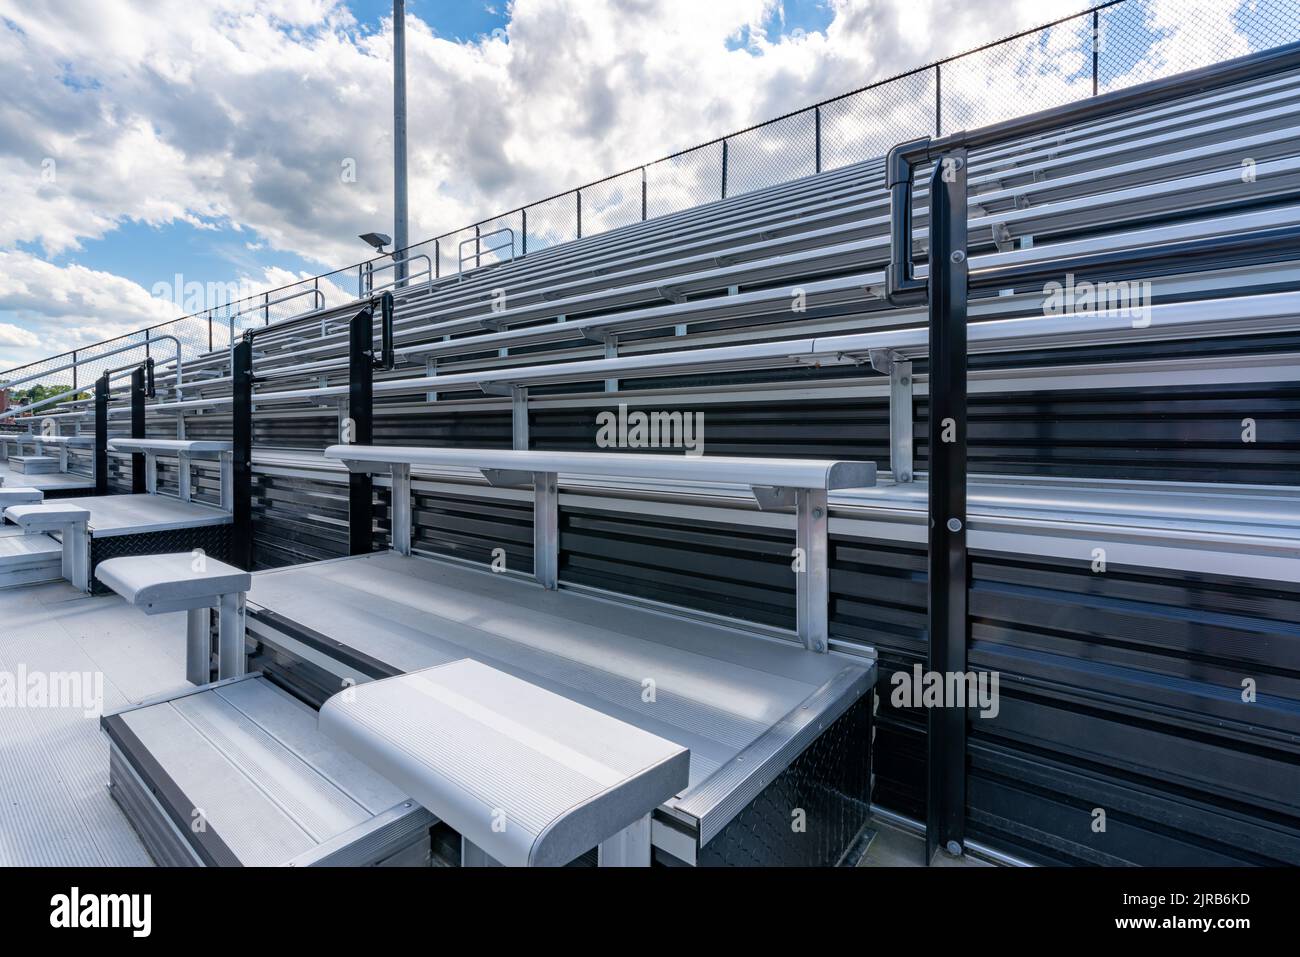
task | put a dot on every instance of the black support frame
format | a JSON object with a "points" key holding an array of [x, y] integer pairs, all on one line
{"points": [[241, 426], [138, 393], [949, 566], [101, 435], [361, 429]]}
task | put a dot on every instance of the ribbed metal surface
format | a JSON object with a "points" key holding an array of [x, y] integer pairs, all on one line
{"points": [[1119, 691], [56, 809], [245, 761], [165, 843]]}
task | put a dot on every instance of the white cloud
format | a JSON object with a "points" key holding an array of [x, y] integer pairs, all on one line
{"points": [[11, 335], [252, 114]]}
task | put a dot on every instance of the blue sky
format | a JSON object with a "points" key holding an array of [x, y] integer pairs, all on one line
{"points": [[466, 20]]}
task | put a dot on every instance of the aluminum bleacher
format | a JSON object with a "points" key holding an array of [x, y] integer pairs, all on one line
{"points": [[1101, 429]]}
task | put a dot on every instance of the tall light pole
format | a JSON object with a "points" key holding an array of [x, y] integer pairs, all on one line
{"points": [[400, 238]]}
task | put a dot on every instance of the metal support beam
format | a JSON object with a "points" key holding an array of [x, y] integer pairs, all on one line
{"points": [[231, 660], [630, 847], [100, 466], [900, 421], [361, 400], [226, 481], [546, 529], [138, 481], [401, 512], [611, 352], [899, 371], [198, 646], [812, 575], [948, 562], [519, 417], [241, 485], [151, 473], [185, 477], [76, 555]]}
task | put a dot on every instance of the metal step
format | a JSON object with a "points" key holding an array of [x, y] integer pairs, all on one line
{"points": [[33, 464], [236, 774], [28, 559]]}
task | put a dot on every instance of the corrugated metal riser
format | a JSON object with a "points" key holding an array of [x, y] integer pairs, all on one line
{"points": [[1119, 691]]}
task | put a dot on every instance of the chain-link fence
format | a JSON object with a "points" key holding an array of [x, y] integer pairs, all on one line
{"points": [[1108, 47]]}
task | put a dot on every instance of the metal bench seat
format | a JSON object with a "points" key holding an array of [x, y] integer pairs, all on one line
{"points": [[525, 775], [33, 464]]}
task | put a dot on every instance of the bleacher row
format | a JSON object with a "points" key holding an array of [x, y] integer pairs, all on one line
{"points": [[1114, 432]]}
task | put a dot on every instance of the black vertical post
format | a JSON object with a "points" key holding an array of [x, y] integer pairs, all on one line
{"points": [[948, 569], [101, 435], [724, 169], [361, 407], [817, 139], [577, 194], [137, 429], [523, 233], [938, 102], [1096, 40], [241, 437], [643, 195]]}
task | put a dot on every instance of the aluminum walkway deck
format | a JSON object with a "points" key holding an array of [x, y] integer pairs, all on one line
{"points": [[49, 483], [54, 761], [112, 515]]}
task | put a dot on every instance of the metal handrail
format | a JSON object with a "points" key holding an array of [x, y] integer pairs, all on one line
{"points": [[366, 272], [479, 250], [268, 303], [65, 396]]}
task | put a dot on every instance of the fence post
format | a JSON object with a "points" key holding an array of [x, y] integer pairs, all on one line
{"points": [[577, 193], [523, 232], [817, 128], [74, 371], [643, 195], [437, 260], [1096, 26], [266, 308], [938, 102], [724, 169], [949, 575]]}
